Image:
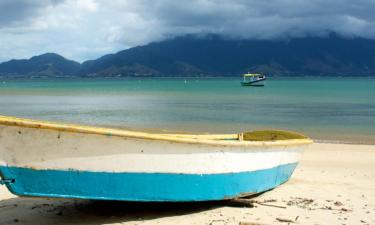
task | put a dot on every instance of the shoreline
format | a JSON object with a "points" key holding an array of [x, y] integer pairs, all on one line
{"points": [[321, 141], [333, 184], [341, 139], [338, 140]]}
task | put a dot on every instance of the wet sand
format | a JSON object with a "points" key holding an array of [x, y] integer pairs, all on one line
{"points": [[334, 184]]}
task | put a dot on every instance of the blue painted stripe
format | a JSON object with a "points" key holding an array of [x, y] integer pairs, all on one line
{"points": [[142, 186]]}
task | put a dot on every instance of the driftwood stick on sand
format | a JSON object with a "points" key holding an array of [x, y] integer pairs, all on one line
{"points": [[271, 205], [284, 220], [238, 202], [251, 223]]}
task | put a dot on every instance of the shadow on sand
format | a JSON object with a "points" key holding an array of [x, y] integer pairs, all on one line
{"points": [[21, 210]]}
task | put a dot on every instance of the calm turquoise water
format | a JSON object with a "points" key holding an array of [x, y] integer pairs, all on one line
{"points": [[329, 109]]}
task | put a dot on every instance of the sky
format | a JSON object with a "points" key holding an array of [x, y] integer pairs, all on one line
{"points": [[87, 29]]}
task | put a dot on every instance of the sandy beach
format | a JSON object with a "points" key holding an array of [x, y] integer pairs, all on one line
{"points": [[333, 184]]}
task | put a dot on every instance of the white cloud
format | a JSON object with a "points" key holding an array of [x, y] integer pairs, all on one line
{"points": [[88, 5], [86, 29]]}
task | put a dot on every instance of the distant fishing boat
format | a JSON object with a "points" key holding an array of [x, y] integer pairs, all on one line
{"points": [[70, 161], [253, 79]]}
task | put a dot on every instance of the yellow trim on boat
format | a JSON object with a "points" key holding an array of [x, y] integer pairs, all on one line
{"points": [[221, 139], [206, 136]]}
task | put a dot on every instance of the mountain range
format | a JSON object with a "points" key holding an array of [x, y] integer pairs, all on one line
{"points": [[213, 55]]}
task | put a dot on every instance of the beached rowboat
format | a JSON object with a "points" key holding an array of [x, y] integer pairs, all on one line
{"points": [[61, 160]]}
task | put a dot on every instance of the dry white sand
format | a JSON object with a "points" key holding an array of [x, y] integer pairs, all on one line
{"points": [[334, 184]]}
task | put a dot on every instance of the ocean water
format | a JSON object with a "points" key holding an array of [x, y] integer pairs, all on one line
{"points": [[338, 109]]}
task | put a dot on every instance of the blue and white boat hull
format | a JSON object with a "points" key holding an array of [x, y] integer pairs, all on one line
{"points": [[50, 160]]}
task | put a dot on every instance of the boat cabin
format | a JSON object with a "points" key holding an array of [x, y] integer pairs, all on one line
{"points": [[250, 78]]}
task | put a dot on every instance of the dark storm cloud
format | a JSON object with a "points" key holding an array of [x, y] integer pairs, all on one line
{"points": [[266, 19], [84, 29], [13, 11]]}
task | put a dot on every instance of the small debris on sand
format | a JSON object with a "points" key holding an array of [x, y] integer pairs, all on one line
{"points": [[337, 203], [250, 223], [284, 220], [303, 203]]}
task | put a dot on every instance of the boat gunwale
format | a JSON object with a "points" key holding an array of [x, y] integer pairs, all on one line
{"points": [[178, 138]]}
